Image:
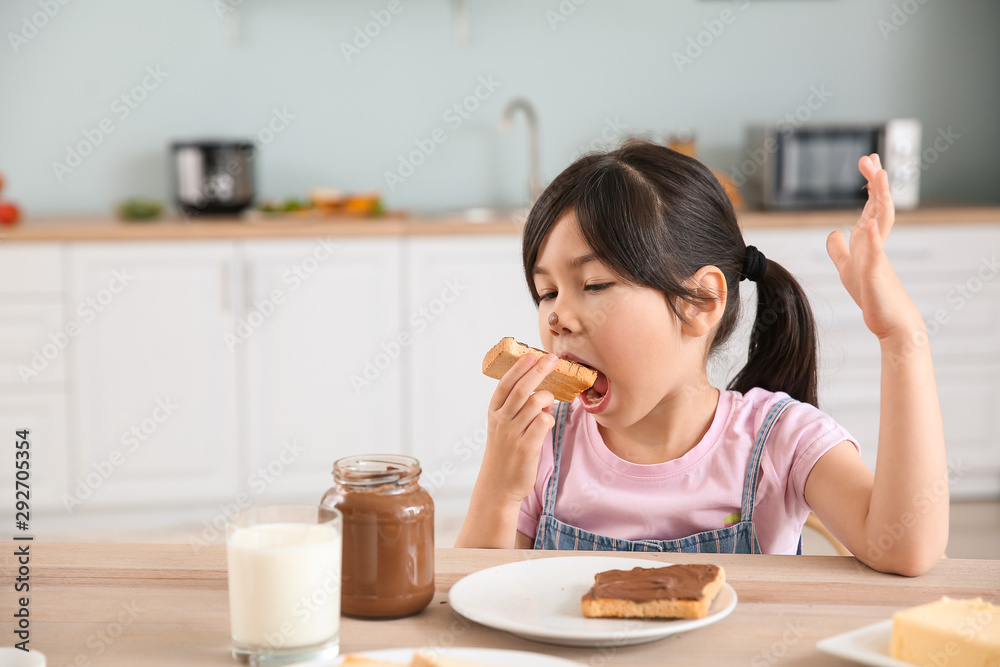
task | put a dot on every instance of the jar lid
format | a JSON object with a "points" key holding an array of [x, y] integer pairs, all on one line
{"points": [[376, 469]]}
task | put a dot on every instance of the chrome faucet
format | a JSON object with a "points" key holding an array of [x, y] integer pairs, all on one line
{"points": [[535, 185]]}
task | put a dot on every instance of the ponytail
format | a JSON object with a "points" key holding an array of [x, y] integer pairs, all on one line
{"points": [[782, 354]]}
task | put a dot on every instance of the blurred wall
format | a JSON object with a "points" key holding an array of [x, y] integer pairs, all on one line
{"points": [[329, 115]]}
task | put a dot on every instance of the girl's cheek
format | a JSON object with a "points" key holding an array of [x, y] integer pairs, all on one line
{"points": [[544, 335]]}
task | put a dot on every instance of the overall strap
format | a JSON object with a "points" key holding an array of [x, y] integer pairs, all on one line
{"points": [[753, 468], [549, 502]]}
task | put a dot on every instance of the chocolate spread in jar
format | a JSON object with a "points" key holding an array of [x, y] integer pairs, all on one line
{"points": [[675, 582], [388, 552]]}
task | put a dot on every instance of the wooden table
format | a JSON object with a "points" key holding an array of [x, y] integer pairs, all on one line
{"points": [[139, 605]]}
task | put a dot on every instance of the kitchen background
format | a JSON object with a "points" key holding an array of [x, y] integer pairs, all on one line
{"points": [[95, 92], [590, 68]]}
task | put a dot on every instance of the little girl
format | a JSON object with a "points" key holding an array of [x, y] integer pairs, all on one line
{"points": [[634, 259]]}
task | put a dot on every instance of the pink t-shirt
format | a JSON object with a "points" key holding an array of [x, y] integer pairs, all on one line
{"points": [[607, 495]]}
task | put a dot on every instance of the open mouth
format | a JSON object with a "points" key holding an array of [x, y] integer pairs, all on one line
{"points": [[599, 391], [594, 399]]}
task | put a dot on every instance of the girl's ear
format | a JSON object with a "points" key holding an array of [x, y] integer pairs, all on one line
{"points": [[701, 316]]}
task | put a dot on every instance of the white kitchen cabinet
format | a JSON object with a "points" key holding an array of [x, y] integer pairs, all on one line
{"points": [[950, 272], [33, 392], [33, 343], [32, 340], [153, 384], [464, 295], [30, 270], [43, 414], [323, 366]]}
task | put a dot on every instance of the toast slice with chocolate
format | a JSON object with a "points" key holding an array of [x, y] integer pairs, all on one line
{"points": [[565, 382], [675, 591]]}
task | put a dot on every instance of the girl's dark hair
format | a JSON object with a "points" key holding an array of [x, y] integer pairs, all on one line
{"points": [[654, 217]]}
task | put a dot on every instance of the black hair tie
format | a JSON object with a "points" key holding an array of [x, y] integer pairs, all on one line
{"points": [[755, 264]]}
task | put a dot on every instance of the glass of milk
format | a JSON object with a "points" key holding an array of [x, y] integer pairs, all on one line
{"points": [[284, 583]]}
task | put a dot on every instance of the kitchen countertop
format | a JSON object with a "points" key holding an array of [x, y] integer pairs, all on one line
{"points": [[106, 228], [132, 604]]}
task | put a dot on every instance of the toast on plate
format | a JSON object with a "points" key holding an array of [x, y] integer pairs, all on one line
{"points": [[675, 591]]}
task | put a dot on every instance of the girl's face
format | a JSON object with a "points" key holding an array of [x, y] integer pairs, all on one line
{"points": [[627, 333]]}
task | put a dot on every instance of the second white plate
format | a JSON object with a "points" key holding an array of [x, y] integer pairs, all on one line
{"points": [[868, 645], [540, 600]]}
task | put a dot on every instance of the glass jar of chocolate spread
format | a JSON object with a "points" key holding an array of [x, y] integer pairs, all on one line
{"points": [[388, 565]]}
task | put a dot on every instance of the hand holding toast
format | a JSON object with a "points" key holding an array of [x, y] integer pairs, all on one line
{"points": [[516, 427], [517, 423]]}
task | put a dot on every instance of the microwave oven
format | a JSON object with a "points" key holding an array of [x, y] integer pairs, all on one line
{"points": [[814, 166]]}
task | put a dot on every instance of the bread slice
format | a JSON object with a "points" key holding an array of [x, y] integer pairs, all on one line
{"points": [[422, 659], [352, 660], [675, 591], [565, 382]]}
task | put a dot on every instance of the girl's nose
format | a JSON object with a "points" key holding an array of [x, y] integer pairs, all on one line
{"points": [[561, 323]]}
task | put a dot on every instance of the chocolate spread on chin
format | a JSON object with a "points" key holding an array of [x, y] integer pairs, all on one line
{"points": [[674, 582], [388, 553]]}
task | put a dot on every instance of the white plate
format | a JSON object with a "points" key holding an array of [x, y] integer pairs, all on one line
{"points": [[15, 657], [540, 600], [488, 656], [868, 645]]}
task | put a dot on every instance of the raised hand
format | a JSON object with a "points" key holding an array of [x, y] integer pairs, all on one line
{"points": [[857, 504], [863, 266]]}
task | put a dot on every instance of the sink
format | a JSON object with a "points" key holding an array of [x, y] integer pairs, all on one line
{"points": [[476, 214]]}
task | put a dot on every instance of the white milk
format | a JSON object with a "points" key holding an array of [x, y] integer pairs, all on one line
{"points": [[284, 584]]}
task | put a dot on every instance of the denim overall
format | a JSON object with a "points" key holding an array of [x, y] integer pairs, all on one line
{"points": [[738, 538]]}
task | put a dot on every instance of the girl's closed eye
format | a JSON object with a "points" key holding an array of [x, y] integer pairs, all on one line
{"points": [[593, 288]]}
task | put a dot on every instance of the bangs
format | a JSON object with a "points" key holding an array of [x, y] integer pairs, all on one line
{"points": [[620, 217]]}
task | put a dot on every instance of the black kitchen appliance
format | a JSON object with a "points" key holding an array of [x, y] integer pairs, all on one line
{"points": [[213, 177]]}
